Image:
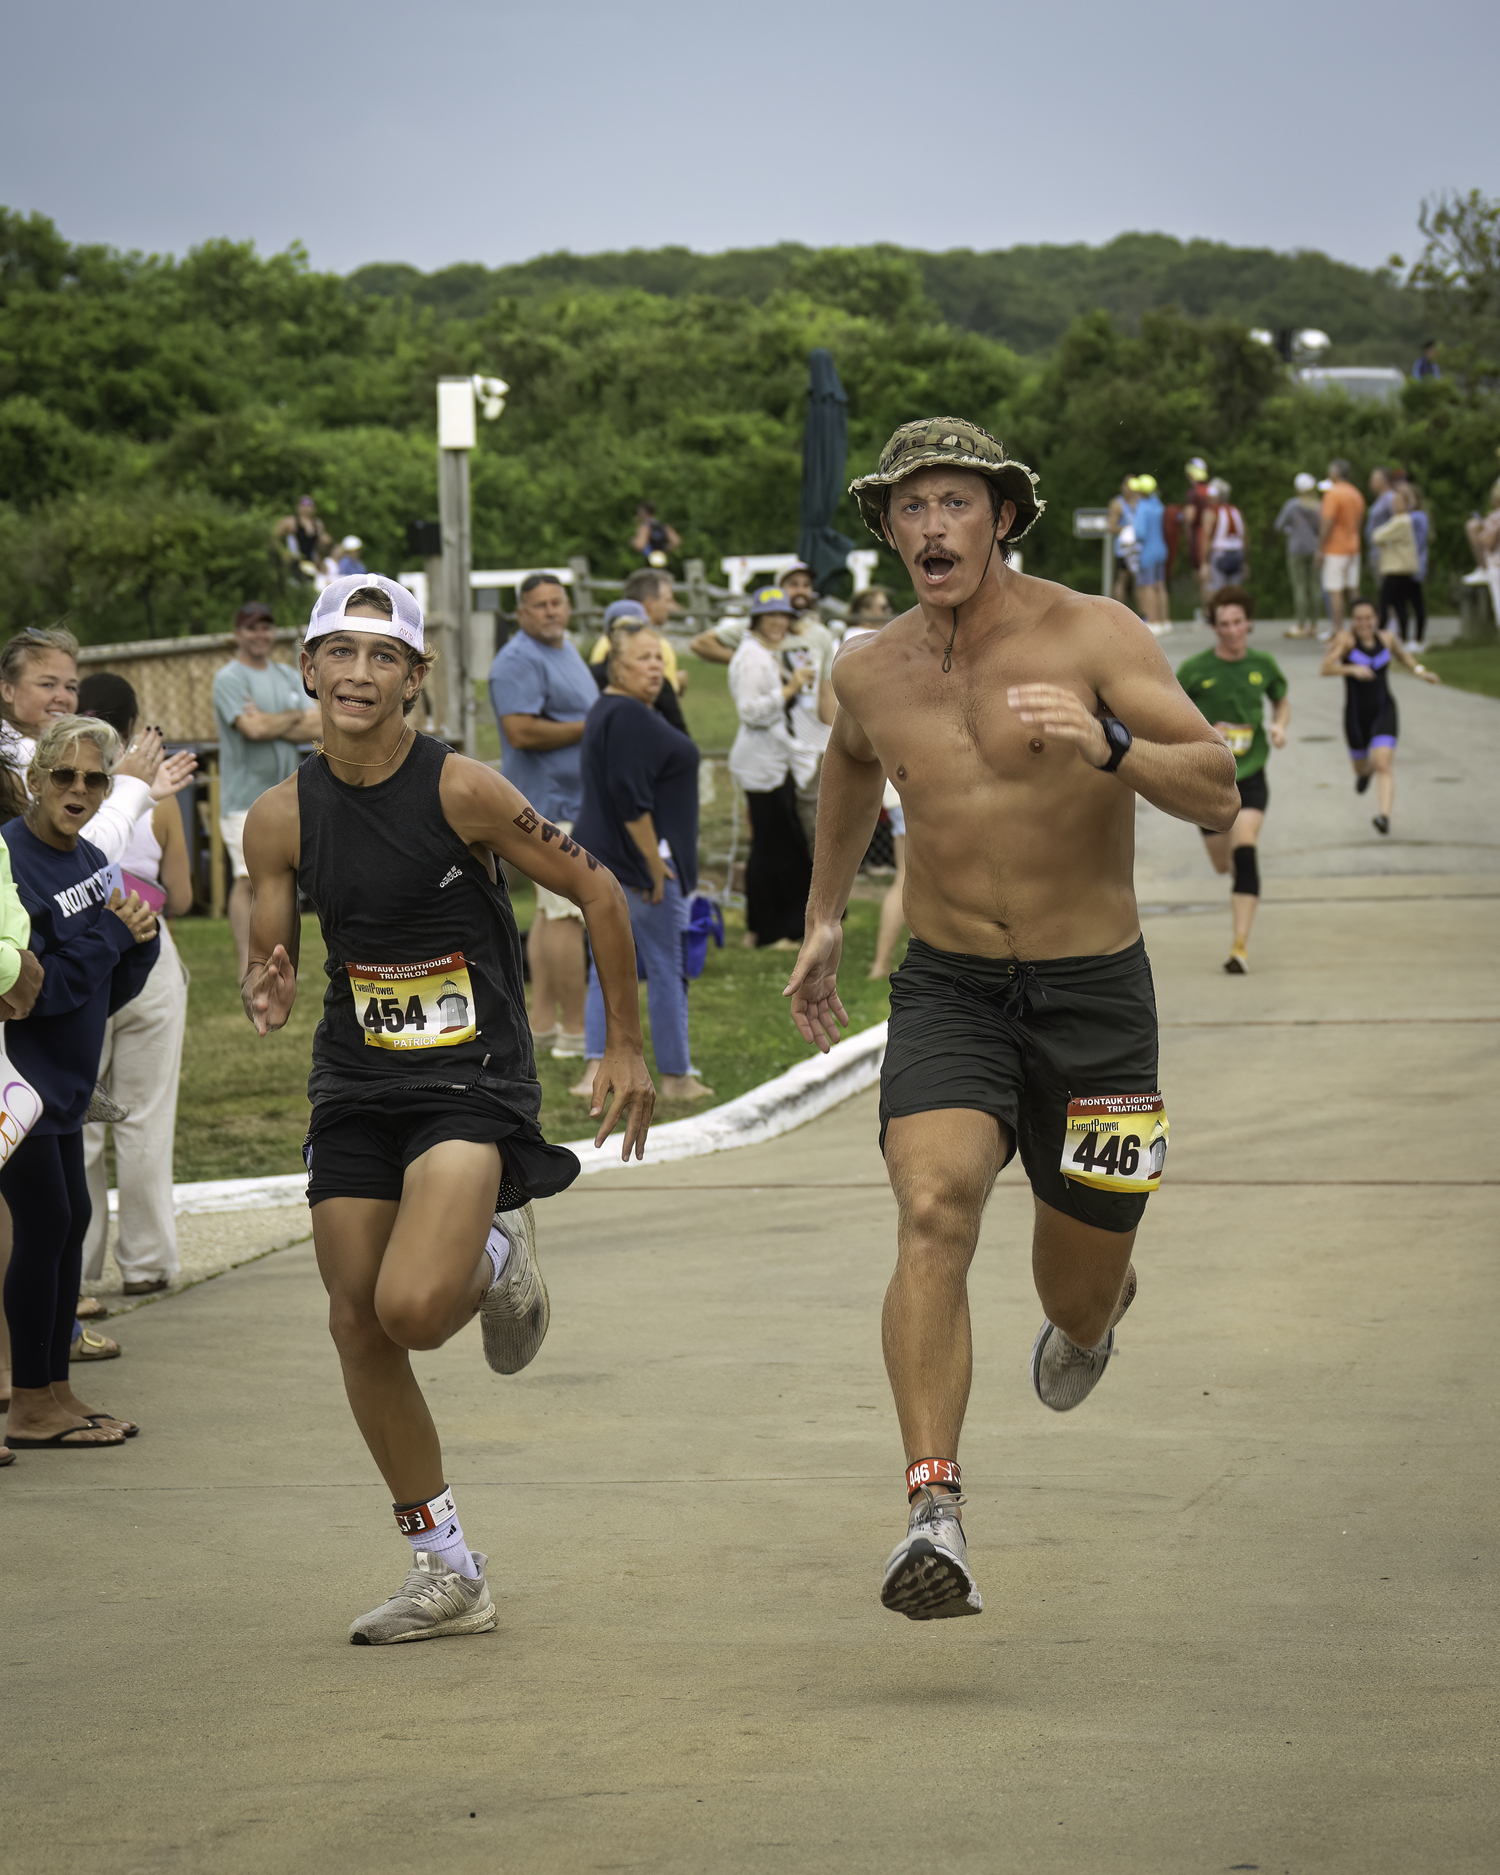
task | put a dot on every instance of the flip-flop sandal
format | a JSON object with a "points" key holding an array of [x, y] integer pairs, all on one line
{"points": [[7, 1458], [127, 1426], [92, 1347], [64, 1441], [90, 1309]]}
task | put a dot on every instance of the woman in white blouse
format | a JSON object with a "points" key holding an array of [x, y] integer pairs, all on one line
{"points": [[769, 764]]}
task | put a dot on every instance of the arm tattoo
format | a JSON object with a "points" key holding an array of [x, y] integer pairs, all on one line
{"points": [[528, 820]]}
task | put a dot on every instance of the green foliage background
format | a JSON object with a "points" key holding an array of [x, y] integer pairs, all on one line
{"points": [[158, 414]]}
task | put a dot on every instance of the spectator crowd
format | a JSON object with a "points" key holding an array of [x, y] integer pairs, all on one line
{"points": [[1332, 537]]}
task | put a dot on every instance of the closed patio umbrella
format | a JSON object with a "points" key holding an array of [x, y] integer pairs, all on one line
{"points": [[825, 450]]}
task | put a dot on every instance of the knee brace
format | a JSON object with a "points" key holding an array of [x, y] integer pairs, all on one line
{"points": [[1246, 872]]}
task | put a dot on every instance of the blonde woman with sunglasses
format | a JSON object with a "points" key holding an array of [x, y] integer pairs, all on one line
{"points": [[97, 946]]}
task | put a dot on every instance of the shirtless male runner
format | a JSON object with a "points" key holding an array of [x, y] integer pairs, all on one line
{"points": [[423, 1153], [1019, 720]]}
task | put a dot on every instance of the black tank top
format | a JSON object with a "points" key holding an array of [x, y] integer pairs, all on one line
{"points": [[424, 961], [1365, 695]]}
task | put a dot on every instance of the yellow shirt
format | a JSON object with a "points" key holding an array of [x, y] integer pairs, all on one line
{"points": [[15, 925]]}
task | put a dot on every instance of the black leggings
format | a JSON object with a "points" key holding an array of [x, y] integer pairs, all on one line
{"points": [[778, 873], [1397, 591], [44, 1185]]}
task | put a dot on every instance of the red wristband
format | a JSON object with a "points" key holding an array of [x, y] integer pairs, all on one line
{"points": [[413, 1518], [932, 1471]]}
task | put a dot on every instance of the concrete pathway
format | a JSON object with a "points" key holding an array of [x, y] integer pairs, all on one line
{"points": [[1240, 1608]]}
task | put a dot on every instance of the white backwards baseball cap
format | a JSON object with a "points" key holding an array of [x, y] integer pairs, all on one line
{"points": [[329, 614], [1305, 483]]}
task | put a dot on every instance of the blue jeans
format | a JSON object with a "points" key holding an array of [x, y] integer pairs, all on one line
{"points": [[658, 933]]}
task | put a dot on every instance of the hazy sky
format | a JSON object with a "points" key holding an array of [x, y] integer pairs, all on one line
{"points": [[453, 130]]}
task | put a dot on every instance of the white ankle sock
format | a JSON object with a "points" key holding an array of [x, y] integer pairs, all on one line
{"points": [[497, 1249], [440, 1532]]}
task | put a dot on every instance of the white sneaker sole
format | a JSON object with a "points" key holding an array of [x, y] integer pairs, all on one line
{"points": [[479, 1622], [511, 1343], [928, 1583]]}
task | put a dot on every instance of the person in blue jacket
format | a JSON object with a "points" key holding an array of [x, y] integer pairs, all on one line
{"points": [[96, 948]]}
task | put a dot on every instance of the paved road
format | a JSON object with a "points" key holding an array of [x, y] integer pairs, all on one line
{"points": [[1447, 785], [1240, 1607]]}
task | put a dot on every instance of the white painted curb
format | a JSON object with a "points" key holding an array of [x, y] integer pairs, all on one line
{"points": [[776, 1107]]}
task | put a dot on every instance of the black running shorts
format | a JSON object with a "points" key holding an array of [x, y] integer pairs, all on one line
{"points": [[1020, 1041], [360, 1148]]}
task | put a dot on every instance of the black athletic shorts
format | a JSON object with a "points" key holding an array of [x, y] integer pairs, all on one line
{"points": [[1255, 791], [360, 1147], [1020, 1041]]}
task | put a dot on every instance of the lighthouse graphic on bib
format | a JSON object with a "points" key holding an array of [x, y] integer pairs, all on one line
{"points": [[454, 1006]]}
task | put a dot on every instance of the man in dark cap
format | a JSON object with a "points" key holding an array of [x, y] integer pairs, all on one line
{"points": [[1019, 721]]}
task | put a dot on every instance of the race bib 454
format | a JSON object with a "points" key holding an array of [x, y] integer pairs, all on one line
{"points": [[1116, 1142], [426, 1005]]}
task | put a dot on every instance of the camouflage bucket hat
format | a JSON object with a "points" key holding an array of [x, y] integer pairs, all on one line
{"points": [[948, 442]]}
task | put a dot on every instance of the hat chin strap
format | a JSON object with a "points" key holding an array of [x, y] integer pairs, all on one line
{"points": [[948, 654]]}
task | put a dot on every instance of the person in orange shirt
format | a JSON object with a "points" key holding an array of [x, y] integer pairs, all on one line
{"points": [[1343, 512]]}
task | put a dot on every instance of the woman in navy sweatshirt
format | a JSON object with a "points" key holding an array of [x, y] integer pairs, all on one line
{"points": [[96, 948]]}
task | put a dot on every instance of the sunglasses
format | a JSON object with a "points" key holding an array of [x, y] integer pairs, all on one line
{"points": [[94, 779]]}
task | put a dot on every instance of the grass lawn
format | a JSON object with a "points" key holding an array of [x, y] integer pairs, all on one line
{"points": [[1467, 667], [242, 1111]]}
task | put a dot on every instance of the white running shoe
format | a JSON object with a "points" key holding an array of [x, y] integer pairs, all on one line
{"points": [[515, 1312], [927, 1573], [1063, 1374], [433, 1600]]}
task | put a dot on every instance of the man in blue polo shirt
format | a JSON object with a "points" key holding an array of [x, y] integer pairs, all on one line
{"points": [[540, 691]]}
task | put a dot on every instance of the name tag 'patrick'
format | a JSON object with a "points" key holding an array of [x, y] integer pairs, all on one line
{"points": [[426, 1005]]}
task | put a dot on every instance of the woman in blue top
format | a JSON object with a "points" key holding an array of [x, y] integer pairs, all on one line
{"points": [[1151, 542], [640, 818], [96, 948]]}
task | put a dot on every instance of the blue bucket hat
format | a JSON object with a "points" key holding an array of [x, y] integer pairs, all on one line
{"points": [[771, 599], [624, 608]]}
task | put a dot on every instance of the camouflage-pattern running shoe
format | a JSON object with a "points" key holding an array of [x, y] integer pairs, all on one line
{"points": [[433, 1600]]}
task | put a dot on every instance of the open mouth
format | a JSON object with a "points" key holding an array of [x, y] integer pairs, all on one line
{"points": [[357, 706], [936, 567]]}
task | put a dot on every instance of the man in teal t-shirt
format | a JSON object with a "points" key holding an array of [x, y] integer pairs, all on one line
{"points": [[262, 713], [1231, 685]]}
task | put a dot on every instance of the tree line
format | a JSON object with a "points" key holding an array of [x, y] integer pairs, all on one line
{"points": [[157, 414]]}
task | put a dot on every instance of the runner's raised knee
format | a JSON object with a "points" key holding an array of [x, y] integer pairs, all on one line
{"points": [[416, 1317], [1246, 872]]}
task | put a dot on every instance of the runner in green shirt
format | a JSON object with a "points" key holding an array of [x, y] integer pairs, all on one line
{"points": [[1231, 685]]}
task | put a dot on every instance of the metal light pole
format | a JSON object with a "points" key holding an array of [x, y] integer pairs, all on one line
{"points": [[452, 602], [455, 693]]}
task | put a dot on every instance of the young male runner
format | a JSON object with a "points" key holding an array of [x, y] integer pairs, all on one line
{"points": [[1231, 685], [424, 1153], [1019, 721]]}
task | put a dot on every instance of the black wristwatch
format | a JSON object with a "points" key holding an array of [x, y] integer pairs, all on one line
{"points": [[1119, 739]]}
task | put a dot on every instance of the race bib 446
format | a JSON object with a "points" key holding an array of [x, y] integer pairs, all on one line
{"points": [[1116, 1142], [426, 1005]]}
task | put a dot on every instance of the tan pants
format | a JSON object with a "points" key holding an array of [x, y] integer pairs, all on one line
{"points": [[141, 1062]]}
